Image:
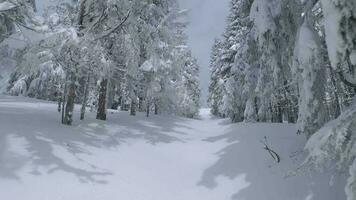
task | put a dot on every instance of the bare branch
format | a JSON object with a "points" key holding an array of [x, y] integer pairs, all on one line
{"points": [[273, 154]]}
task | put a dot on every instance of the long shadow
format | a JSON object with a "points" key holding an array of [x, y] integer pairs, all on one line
{"points": [[153, 130], [244, 155], [41, 136], [44, 136]]}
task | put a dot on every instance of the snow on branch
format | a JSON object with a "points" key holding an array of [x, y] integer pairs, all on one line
{"points": [[110, 31]]}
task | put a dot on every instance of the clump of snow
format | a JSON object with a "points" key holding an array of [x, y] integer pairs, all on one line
{"points": [[332, 34], [339, 26], [306, 45], [334, 144], [6, 6], [20, 87], [353, 57], [262, 13]]}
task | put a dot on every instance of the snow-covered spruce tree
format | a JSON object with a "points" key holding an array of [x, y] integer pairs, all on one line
{"points": [[40, 67], [135, 65], [189, 90], [162, 64], [216, 84], [96, 21], [7, 63], [336, 142], [312, 81], [275, 25], [233, 101], [245, 67], [185, 69]]}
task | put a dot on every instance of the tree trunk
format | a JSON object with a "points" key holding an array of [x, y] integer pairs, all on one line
{"points": [[140, 105], [133, 108], [334, 91], [156, 108], [122, 104], [101, 114], [85, 99], [59, 98], [64, 100], [148, 109], [110, 96], [69, 108]]}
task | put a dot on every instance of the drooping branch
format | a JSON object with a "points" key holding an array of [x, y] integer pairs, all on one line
{"points": [[112, 30], [345, 78]]}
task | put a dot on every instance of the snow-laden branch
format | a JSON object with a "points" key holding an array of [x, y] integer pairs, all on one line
{"points": [[111, 31], [348, 79]]}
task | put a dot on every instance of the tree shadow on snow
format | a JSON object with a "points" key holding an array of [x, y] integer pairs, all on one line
{"points": [[42, 143], [266, 179]]}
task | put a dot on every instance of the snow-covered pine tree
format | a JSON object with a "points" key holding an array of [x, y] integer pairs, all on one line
{"points": [[276, 24], [216, 83], [189, 90], [312, 81], [336, 142], [233, 102], [102, 64]]}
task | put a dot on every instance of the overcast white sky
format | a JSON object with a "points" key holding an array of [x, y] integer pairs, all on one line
{"points": [[207, 21]]}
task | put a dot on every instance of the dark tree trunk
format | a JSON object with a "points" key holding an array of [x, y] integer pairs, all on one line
{"points": [[148, 109], [59, 98], [64, 100], [110, 96], [69, 108], [85, 99], [140, 105], [256, 109], [122, 104], [335, 89], [279, 113], [133, 108], [101, 114], [156, 108]]}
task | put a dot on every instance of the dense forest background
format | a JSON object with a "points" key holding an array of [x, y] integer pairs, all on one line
{"points": [[277, 62]]}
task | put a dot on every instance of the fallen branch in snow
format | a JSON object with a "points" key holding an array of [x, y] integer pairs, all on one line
{"points": [[274, 154]]}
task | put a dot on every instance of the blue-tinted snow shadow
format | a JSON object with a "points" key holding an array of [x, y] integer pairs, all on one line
{"points": [[41, 130], [40, 133], [244, 155]]}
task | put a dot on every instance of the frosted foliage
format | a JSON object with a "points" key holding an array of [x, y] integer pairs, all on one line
{"points": [[250, 112], [19, 88], [294, 61], [15, 13], [311, 116], [262, 13], [6, 6], [336, 142], [340, 28]]}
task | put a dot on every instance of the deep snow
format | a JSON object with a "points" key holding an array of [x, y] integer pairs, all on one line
{"points": [[156, 158]]}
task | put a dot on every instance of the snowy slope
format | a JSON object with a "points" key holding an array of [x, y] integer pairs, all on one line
{"points": [[159, 158]]}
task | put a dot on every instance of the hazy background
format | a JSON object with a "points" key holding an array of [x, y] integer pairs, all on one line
{"points": [[207, 21]]}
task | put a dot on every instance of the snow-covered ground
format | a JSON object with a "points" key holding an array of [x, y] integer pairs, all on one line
{"points": [[156, 158]]}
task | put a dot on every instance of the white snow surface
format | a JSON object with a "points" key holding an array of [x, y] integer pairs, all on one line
{"points": [[156, 158]]}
